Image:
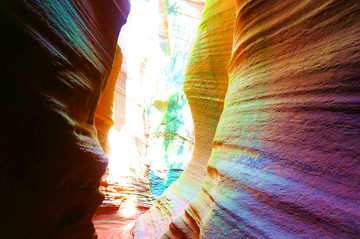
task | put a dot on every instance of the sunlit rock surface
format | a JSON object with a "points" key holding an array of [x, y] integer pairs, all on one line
{"points": [[273, 87], [205, 85], [285, 156], [56, 58], [104, 112], [171, 142], [153, 138], [156, 65]]}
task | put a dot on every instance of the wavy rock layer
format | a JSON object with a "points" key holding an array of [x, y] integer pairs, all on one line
{"points": [[56, 58], [285, 159], [285, 156], [205, 86]]}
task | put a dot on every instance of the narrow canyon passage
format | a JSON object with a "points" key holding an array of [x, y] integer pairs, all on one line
{"points": [[152, 137], [204, 119]]}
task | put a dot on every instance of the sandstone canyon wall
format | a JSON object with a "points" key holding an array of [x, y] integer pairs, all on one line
{"points": [[285, 155], [155, 140], [56, 58], [273, 87], [104, 112], [205, 86]]}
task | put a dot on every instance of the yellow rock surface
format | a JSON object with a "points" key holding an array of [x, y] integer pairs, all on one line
{"points": [[205, 87], [104, 112]]}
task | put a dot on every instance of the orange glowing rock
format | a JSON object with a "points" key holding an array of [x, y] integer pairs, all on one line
{"points": [[104, 112]]}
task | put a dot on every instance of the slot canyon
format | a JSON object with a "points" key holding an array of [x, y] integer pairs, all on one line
{"points": [[190, 119]]}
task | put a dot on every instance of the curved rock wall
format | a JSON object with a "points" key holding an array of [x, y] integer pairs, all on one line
{"points": [[285, 156], [205, 86], [104, 112], [56, 58], [285, 159]]}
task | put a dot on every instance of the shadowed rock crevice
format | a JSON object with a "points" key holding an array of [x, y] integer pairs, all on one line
{"points": [[56, 58]]}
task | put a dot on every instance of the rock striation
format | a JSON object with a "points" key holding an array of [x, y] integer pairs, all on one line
{"points": [[152, 139], [285, 159], [285, 156], [273, 87], [56, 59], [205, 87]]}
